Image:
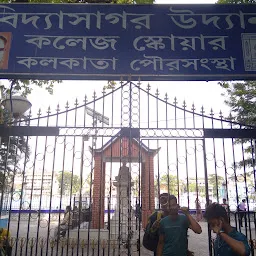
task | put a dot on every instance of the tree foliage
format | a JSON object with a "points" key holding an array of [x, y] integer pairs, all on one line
{"points": [[25, 87], [196, 188], [66, 179], [12, 151], [241, 97], [170, 184], [216, 182], [174, 184]]}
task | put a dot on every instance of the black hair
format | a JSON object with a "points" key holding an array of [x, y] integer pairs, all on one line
{"points": [[243, 200], [169, 196], [215, 211], [164, 195], [173, 197]]}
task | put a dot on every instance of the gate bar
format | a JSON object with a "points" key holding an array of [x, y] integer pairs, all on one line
{"points": [[230, 133], [6, 131], [54, 131]]}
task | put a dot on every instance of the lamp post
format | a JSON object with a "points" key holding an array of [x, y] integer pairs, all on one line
{"points": [[16, 105]]}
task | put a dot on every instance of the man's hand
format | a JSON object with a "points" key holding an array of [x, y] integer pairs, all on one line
{"points": [[218, 227], [189, 253], [185, 210]]}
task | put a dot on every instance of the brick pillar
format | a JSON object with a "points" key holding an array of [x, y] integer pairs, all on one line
{"points": [[98, 193], [147, 193]]}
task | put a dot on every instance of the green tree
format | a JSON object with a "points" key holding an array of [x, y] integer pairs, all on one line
{"points": [[11, 152], [65, 180], [25, 87], [216, 182], [241, 97], [194, 188], [87, 183], [174, 184], [170, 184]]}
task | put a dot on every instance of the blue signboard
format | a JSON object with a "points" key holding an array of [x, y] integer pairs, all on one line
{"points": [[147, 42]]}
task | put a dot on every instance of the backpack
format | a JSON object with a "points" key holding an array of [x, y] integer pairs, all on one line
{"points": [[6, 249], [150, 239]]}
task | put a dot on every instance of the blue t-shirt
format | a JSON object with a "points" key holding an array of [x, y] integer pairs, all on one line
{"points": [[221, 248], [175, 235]]}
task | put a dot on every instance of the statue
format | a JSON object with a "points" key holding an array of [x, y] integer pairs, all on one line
{"points": [[124, 174], [121, 225]]}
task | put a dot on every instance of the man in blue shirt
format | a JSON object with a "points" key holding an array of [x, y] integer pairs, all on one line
{"points": [[173, 239], [229, 241], [156, 216]]}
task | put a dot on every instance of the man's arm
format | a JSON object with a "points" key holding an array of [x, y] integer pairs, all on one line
{"points": [[193, 224], [239, 245], [160, 245], [65, 219], [236, 246]]}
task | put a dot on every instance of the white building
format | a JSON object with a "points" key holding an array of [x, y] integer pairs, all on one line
{"points": [[38, 183]]}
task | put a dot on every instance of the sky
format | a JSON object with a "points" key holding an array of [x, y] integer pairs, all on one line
{"points": [[207, 94]]}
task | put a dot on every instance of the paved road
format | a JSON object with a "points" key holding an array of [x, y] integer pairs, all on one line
{"points": [[197, 243]]}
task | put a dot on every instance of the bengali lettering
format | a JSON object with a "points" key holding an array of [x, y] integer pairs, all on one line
{"points": [[157, 63], [61, 42], [187, 19], [89, 20], [183, 43], [28, 61], [68, 63]]}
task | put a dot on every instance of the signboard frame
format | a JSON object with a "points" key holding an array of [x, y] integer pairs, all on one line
{"points": [[113, 42]]}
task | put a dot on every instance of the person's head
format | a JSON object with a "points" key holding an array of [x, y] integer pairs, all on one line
{"points": [[214, 214], [243, 200], [169, 203], [224, 200], [210, 201], [68, 208], [124, 162], [163, 200]]}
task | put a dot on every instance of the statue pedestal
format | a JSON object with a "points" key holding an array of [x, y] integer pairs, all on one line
{"points": [[123, 223]]}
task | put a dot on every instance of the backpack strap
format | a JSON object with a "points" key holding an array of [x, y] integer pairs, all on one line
{"points": [[159, 215]]}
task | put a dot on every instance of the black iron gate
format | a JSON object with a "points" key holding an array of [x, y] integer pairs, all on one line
{"points": [[109, 159]]}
